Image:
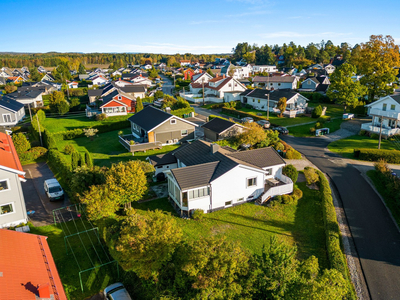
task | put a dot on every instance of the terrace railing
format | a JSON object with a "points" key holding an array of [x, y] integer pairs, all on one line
{"points": [[139, 146]]}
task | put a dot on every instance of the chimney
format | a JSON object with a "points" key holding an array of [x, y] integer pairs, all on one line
{"points": [[44, 290], [223, 76], [214, 148]]}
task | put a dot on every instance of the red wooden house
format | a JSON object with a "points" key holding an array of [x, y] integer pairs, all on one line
{"points": [[118, 103], [188, 74]]}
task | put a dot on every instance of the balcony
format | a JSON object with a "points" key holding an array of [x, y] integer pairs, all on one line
{"points": [[375, 128], [138, 144], [384, 113], [275, 187]]}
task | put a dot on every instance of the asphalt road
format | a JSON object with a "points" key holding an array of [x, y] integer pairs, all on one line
{"points": [[167, 85], [375, 235]]}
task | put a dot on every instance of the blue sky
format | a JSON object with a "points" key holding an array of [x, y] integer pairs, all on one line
{"points": [[204, 26]]}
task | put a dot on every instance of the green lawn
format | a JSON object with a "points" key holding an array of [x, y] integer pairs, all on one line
{"points": [[69, 123], [304, 130], [332, 110], [93, 281], [299, 224], [106, 149], [345, 147]]}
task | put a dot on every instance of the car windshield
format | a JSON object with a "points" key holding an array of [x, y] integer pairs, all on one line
{"points": [[54, 189]]}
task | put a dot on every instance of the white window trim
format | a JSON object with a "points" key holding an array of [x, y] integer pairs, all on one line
{"points": [[172, 121], [187, 132], [13, 207], [4, 119], [229, 205], [8, 184], [247, 182]]}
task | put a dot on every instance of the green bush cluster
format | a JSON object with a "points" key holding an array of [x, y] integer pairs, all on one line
{"points": [[291, 172], [316, 97], [311, 175], [182, 111], [219, 105], [33, 154], [68, 149], [317, 112], [59, 163], [293, 154], [198, 214], [390, 156]]}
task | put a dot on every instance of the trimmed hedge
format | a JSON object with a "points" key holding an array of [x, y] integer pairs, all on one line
{"points": [[33, 154], [58, 162], [390, 156], [182, 111]]}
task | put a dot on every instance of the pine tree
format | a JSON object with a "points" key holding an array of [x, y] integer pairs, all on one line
{"points": [[139, 104], [74, 160], [88, 159]]}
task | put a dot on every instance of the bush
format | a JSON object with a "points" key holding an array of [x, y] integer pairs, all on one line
{"points": [[287, 199], [279, 146], [297, 194], [219, 105], [312, 130], [381, 166], [390, 156], [278, 199], [318, 125], [248, 106], [293, 154], [362, 132], [76, 92], [70, 134], [375, 136], [88, 160], [75, 158], [33, 154], [101, 117], [21, 143], [317, 112], [59, 163], [68, 149], [311, 175], [291, 172], [182, 111], [198, 214]]}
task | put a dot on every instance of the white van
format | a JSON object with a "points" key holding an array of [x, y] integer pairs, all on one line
{"points": [[53, 190]]}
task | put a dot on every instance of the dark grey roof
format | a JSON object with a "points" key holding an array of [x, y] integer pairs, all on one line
{"points": [[322, 87], [396, 98], [133, 89], [262, 158], [195, 176], [127, 75], [162, 159], [109, 97], [218, 125], [11, 104], [274, 95], [321, 78], [95, 93], [149, 117], [24, 94]]}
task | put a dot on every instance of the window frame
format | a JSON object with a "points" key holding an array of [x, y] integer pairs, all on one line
{"points": [[254, 182], [268, 171], [229, 203], [8, 185], [4, 118], [384, 107], [392, 107], [12, 206], [172, 121], [187, 132]]}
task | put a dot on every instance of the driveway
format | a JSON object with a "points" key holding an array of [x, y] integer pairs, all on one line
{"points": [[375, 235], [35, 197]]}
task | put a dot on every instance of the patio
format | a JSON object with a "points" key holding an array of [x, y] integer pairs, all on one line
{"points": [[138, 144]]}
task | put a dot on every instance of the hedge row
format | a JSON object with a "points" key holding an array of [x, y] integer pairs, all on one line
{"points": [[59, 163], [242, 114], [182, 111], [336, 257], [390, 156]]}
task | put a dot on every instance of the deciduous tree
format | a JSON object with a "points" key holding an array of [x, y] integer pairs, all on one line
{"points": [[253, 135], [100, 203], [139, 105], [10, 88], [344, 89], [281, 106], [21, 143]]}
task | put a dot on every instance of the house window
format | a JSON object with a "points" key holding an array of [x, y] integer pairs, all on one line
{"points": [[228, 203], [185, 199], [253, 100], [7, 118], [240, 199], [230, 85], [392, 107], [184, 132], [384, 106], [258, 100], [251, 182], [172, 121], [6, 209], [268, 171], [4, 185], [198, 193]]}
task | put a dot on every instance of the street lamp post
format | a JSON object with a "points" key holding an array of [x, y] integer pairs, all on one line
{"points": [[202, 82]]}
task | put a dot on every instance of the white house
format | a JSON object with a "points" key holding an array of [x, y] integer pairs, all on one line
{"points": [[385, 113], [223, 89], [73, 85], [239, 72], [197, 82], [116, 73], [264, 68], [11, 112], [207, 177], [26, 97], [121, 83], [185, 63], [99, 80], [258, 98], [276, 82], [48, 77], [329, 68], [147, 67]]}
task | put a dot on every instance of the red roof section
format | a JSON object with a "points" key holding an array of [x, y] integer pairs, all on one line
{"points": [[8, 155], [23, 264]]}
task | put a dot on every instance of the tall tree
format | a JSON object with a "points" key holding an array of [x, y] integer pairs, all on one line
{"points": [[376, 62], [34, 74], [139, 104], [344, 89], [81, 69], [281, 106]]}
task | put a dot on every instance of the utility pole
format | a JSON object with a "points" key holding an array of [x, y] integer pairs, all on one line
{"points": [[380, 134], [202, 82], [30, 113], [268, 98], [40, 133]]}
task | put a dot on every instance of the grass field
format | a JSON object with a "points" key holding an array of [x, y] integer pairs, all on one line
{"points": [[69, 123], [345, 147], [298, 224], [304, 130], [106, 149]]}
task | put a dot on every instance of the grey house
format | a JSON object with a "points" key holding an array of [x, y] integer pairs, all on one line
{"points": [[11, 112], [12, 202], [220, 129], [154, 125]]}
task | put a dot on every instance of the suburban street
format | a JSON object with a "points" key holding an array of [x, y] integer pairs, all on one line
{"points": [[168, 84], [375, 235]]}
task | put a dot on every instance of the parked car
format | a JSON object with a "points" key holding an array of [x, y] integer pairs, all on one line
{"points": [[247, 120], [282, 130], [53, 190], [264, 123], [116, 291]]}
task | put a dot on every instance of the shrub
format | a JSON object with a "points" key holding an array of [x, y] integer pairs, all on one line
{"points": [[291, 172], [101, 117], [381, 166], [75, 160], [70, 134], [131, 142], [375, 136], [390, 156], [248, 106], [68, 149], [311, 175], [293, 154], [59, 163], [21, 143], [287, 199], [88, 160], [318, 125], [198, 214], [297, 194], [182, 111], [278, 199], [279, 146], [362, 132], [317, 112], [312, 130], [33, 154]]}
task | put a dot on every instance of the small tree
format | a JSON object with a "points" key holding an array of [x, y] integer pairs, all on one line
{"points": [[139, 104], [282, 105], [10, 88], [81, 69], [88, 159], [75, 160], [317, 111], [253, 135], [90, 132], [291, 172], [21, 143]]}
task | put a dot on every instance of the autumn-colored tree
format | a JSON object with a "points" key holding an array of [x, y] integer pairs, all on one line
{"points": [[10, 88], [100, 203], [21, 143], [57, 103], [215, 267], [127, 182], [147, 242], [253, 135], [376, 62], [90, 132], [282, 106], [344, 89]]}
